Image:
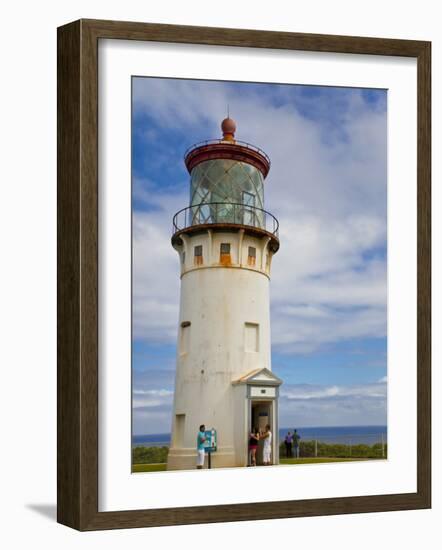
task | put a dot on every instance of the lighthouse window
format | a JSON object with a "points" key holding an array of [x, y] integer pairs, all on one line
{"points": [[179, 429], [251, 259], [184, 338], [251, 337], [225, 254], [198, 255]]}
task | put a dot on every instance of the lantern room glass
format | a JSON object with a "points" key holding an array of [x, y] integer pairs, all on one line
{"points": [[227, 191]]}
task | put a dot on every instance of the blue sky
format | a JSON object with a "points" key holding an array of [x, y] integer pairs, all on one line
{"points": [[328, 188]]}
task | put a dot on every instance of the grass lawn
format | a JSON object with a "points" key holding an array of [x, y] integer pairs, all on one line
{"points": [[148, 468], [136, 468], [316, 460]]}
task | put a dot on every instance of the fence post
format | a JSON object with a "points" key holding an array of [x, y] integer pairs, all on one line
{"points": [[383, 449], [349, 444], [316, 448]]}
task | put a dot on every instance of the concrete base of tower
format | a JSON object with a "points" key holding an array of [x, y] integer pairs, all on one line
{"points": [[185, 459]]}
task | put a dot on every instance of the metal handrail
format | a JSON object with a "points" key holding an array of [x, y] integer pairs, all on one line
{"points": [[225, 142], [241, 214]]}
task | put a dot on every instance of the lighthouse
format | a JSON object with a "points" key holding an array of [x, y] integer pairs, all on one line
{"points": [[225, 240]]}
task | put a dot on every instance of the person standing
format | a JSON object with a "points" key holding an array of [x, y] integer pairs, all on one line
{"points": [[201, 438], [267, 448], [296, 438], [253, 445], [288, 445]]}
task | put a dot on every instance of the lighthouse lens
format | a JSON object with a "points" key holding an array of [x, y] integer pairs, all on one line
{"points": [[220, 187]]}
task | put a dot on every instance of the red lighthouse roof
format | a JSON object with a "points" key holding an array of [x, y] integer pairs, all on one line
{"points": [[227, 148]]}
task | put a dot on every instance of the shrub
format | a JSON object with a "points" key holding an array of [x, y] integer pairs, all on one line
{"points": [[337, 450], [149, 455]]}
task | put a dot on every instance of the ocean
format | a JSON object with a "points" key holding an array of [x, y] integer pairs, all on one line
{"points": [[346, 435]]}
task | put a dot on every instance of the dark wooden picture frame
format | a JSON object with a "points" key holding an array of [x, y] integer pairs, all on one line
{"points": [[77, 224]]}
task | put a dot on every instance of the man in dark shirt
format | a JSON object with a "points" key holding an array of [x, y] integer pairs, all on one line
{"points": [[288, 445], [296, 438]]}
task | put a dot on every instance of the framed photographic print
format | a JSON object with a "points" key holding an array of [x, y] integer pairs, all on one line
{"points": [[243, 275]]}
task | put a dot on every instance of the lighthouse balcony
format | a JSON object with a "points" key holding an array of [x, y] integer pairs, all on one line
{"points": [[226, 216]]}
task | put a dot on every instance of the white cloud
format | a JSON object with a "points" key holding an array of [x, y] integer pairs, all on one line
{"points": [[152, 410], [328, 194], [159, 393], [307, 391], [155, 272], [151, 398], [333, 405]]}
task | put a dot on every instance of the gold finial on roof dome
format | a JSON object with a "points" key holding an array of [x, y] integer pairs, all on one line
{"points": [[228, 126]]}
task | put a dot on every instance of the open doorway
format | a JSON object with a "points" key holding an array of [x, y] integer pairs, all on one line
{"points": [[260, 417]]}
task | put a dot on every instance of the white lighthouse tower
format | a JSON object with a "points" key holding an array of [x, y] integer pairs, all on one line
{"points": [[225, 241]]}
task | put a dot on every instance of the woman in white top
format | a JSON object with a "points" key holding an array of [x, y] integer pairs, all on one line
{"points": [[267, 449]]}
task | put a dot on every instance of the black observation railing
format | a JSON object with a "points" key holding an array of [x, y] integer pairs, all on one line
{"points": [[225, 212], [225, 142]]}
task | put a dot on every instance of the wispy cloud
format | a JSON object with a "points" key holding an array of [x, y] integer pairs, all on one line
{"points": [[151, 398], [333, 405], [151, 410], [308, 391]]}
